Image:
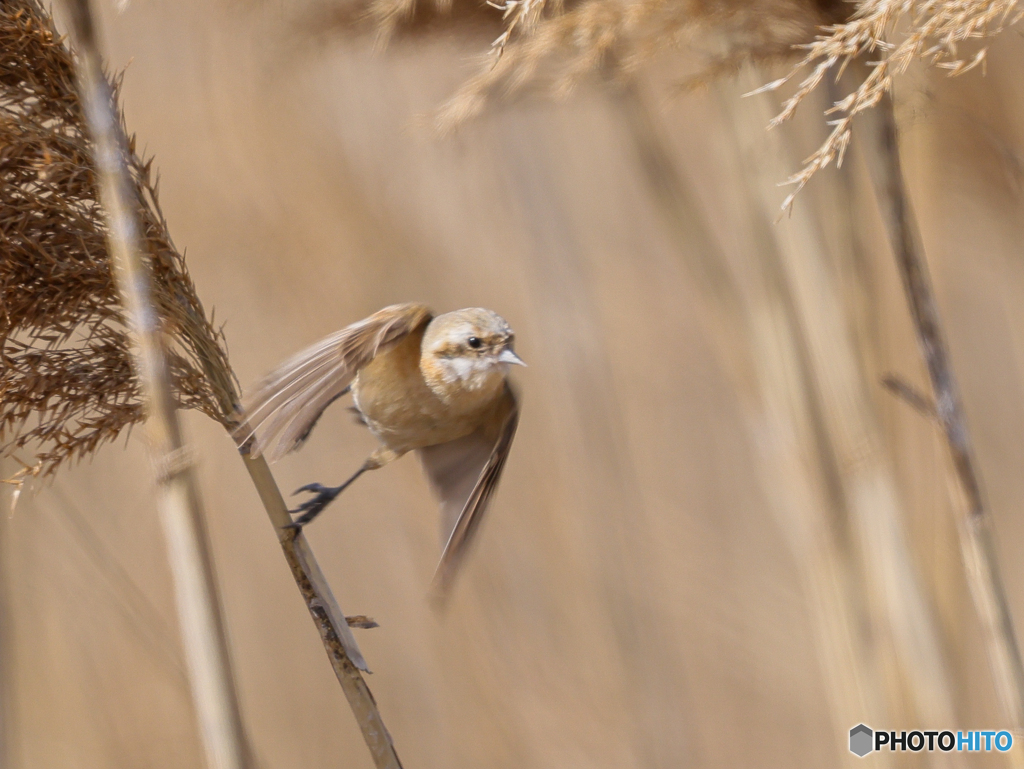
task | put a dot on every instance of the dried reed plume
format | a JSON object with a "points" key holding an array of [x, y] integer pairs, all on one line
{"points": [[620, 36], [394, 20], [66, 384], [557, 44], [930, 31]]}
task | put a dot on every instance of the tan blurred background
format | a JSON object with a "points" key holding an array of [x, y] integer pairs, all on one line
{"points": [[643, 593]]}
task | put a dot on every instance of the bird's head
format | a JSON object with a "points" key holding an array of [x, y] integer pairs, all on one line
{"points": [[467, 350]]}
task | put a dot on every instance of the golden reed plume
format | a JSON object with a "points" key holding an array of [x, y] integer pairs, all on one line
{"points": [[66, 383]]}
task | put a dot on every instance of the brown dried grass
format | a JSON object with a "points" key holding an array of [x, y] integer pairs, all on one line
{"points": [[67, 384]]}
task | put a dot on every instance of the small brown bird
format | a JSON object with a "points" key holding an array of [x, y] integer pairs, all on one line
{"points": [[436, 385]]}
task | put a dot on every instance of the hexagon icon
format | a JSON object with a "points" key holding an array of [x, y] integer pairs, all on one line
{"points": [[861, 740]]}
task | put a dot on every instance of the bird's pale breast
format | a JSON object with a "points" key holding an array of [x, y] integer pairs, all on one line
{"points": [[401, 409]]}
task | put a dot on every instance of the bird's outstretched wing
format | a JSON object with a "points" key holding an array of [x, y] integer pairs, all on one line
{"points": [[464, 474], [278, 415]]}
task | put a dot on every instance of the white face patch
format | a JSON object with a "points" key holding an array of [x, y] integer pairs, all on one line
{"points": [[473, 372]]}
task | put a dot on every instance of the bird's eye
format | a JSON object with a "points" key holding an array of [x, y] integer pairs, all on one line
{"points": [[474, 342]]}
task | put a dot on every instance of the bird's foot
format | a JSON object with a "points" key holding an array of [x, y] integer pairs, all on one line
{"points": [[311, 508]]}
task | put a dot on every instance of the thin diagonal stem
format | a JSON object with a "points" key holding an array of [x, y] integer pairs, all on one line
{"points": [[334, 631], [977, 547]]}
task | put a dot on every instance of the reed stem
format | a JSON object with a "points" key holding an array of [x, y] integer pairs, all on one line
{"points": [[332, 625], [980, 563], [199, 610], [335, 633]]}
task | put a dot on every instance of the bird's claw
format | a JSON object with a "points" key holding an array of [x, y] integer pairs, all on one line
{"points": [[311, 508], [316, 488]]}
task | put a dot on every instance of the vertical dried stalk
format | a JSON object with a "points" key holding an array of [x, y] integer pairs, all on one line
{"points": [[975, 534], [8, 691], [199, 612]]}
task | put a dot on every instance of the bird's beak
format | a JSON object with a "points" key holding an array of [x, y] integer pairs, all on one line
{"points": [[507, 356]]}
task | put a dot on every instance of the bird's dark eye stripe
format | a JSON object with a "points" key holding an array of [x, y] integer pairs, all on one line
{"points": [[474, 342]]}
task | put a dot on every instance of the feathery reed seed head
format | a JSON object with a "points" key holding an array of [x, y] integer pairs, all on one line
{"points": [[398, 20], [565, 42], [562, 41], [895, 33], [66, 379]]}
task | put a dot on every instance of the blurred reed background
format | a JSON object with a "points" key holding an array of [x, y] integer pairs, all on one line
{"points": [[692, 557]]}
